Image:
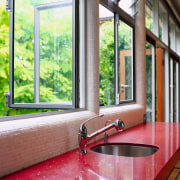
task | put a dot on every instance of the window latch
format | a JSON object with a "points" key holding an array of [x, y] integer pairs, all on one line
{"points": [[8, 5]]}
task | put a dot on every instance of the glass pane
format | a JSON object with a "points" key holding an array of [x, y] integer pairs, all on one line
{"points": [[106, 29], [125, 46], [149, 82], [56, 54], [149, 15], [24, 52], [163, 24], [53, 51], [4, 56], [126, 6], [160, 26], [171, 90], [175, 100], [177, 40], [172, 34]]}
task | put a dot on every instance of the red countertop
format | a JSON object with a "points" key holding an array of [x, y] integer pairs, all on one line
{"points": [[95, 166]]}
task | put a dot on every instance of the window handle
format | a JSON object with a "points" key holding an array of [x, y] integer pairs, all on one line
{"points": [[125, 85]]}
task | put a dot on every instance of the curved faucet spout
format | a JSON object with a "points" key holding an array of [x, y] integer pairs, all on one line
{"points": [[84, 138]]}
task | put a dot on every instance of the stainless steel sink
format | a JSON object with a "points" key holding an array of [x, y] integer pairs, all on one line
{"points": [[125, 149]]}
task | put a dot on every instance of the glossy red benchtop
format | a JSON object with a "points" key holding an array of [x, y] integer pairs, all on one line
{"points": [[92, 166]]}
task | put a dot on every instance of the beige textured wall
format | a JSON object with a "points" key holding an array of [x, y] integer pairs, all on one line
{"points": [[92, 58], [29, 141], [140, 53]]}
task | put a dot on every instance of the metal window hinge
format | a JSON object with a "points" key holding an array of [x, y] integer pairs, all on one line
{"points": [[8, 5], [7, 99]]}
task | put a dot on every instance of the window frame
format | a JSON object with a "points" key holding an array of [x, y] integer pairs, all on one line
{"points": [[170, 52], [173, 81], [120, 15], [153, 49], [9, 96]]}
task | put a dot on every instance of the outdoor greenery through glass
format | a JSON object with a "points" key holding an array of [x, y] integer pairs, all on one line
{"points": [[55, 55], [55, 51], [125, 49], [106, 29], [149, 15], [107, 59], [149, 82]]}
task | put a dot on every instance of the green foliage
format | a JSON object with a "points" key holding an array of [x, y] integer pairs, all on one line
{"points": [[4, 59], [107, 63], [55, 53], [55, 57], [107, 67], [149, 23]]}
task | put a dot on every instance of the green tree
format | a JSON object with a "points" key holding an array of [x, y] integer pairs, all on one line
{"points": [[107, 63], [55, 73], [4, 59], [107, 84]]}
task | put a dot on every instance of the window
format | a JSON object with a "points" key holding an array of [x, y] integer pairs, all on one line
{"points": [[116, 59], [107, 81], [156, 17], [150, 84], [154, 83], [174, 90], [172, 37], [163, 24], [44, 54], [128, 6], [178, 41], [151, 16]]}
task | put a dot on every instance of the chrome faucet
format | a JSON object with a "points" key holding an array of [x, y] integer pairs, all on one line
{"points": [[83, 138]]}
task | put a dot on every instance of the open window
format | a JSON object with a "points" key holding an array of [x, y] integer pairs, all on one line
{"points": [[44, 54], [154, 82], [116, 57], [174, 90]]}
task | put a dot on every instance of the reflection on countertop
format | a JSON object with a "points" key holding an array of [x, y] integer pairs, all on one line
{"points": [[73, 165]]}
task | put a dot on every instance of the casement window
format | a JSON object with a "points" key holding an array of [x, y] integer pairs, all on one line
{"points": [[163, 24], [162, 62], [44, 48], [156, 17], [154, 82], [174, 90], [116, 55]]}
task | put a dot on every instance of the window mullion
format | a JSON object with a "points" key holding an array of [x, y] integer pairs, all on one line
{"points": [[116, 57], [75, 47], [36, 55], [11, 57], [153, 83]]}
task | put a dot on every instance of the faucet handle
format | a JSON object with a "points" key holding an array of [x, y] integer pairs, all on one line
{"points": [[83, 129], [101, 115]]}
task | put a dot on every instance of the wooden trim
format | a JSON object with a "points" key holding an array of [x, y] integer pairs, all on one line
{"points": [[164, 174]]}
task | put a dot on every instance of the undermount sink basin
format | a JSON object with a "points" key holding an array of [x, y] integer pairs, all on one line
{"points": [[125, 149]]}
